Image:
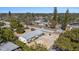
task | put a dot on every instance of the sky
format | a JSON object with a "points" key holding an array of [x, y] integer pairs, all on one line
{"points": [[38, 9]]}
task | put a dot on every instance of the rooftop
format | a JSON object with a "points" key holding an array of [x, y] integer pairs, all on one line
{"points": [[32, 34], [8, 46], [74, 25]]}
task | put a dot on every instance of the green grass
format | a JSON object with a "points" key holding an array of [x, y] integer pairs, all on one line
{"points": [[23, 46]]}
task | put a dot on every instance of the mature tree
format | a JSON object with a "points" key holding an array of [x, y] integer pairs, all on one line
{"points": [[0, 36], [20, 29], [68, 40], [9, 13], [7, 34], [53, 20], [9, 16], [28, 18], [65, 20], [55, 14], [14, 23]]}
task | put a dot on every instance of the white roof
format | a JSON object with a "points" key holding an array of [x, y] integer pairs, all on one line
{"points": [[32, 34], [9, 46], [74, 25], [38, 21]]}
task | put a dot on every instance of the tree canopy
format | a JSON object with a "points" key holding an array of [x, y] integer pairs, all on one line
{"points": [[7, 34], [66, 19], [20, 29], [15, 24], [68, 40], [53, 20]]}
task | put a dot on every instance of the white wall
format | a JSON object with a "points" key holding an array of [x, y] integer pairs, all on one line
{"points": [[23, 39]]}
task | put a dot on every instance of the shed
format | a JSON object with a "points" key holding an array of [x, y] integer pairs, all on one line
{"points": [[8, 46]]}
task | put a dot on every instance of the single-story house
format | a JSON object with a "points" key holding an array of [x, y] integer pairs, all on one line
{"points": [[8, 46], [27, 37], [72, 26], [41, 22]]}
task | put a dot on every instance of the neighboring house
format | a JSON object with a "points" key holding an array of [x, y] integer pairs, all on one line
{"points": [[41, 22], [8, 46], [72, 26], [27, 37], [7, 24]]}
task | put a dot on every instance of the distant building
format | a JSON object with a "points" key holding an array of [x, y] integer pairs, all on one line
{"points": [[72, 26], [27, 37], [41, 22], [7, 24], [8, 46]]}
